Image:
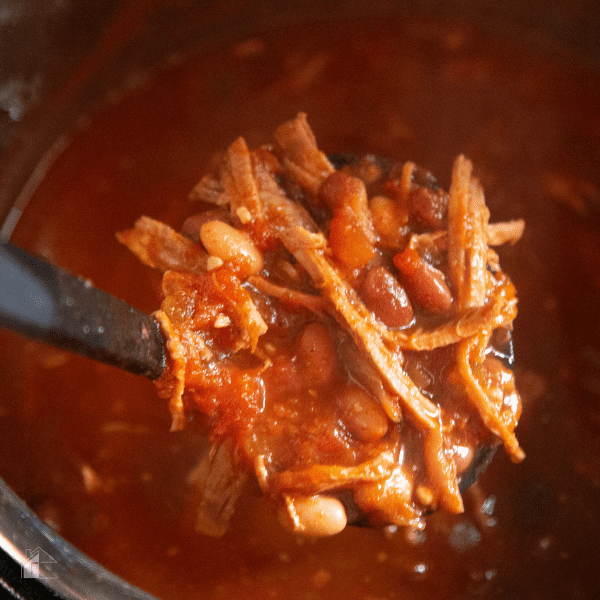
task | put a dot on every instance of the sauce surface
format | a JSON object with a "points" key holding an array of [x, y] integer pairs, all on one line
{"points": [[89, 448]]}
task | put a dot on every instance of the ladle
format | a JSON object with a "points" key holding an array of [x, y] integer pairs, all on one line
{"points": [[48, 304]]}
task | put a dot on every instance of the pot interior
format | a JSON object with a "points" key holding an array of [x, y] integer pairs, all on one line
{"points": [[137, 123]]}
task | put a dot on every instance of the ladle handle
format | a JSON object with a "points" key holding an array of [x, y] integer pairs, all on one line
{"points": [[49, 304]]}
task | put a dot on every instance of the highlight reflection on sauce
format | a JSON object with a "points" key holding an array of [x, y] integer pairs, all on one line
{"points": [[89, 449]]}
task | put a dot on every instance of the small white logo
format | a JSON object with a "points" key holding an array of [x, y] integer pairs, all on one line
{"points": [[35, 565]]}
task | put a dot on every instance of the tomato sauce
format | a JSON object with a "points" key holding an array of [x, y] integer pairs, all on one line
{"points": [[89, 448]]}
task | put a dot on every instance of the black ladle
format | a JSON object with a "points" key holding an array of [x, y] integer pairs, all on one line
{"points": [[48, 304]]}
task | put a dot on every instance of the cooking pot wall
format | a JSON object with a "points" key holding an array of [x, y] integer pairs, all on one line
{"points": [[59, 59]]}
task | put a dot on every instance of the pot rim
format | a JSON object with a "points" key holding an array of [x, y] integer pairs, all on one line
{"points": [[44, 555]]}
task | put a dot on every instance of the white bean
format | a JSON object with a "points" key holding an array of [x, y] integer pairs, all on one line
{"points": [[314, 516], [232, 246], [317, 353]]}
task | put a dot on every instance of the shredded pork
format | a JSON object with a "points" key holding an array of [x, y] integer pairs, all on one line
{"points": [[243, 332]]}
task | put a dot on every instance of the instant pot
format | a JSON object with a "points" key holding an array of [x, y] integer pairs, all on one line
{"points": [[61, 59]]}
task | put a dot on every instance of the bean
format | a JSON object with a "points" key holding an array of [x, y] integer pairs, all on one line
{"points": [[428, 207], [362, 415], [499, 384], [341, 189], [351, 233], [349, 240], [389, 219], [419, 373], [493, 374], [425, 284], [386, 298], [315, 516], [191, 226], [232, 246], [317, 353]]}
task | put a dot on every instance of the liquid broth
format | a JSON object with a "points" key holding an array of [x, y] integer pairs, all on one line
{"points": [[89, 448]]}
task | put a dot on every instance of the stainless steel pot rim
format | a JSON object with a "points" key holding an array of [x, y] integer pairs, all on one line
{"points": [[47, 557]]}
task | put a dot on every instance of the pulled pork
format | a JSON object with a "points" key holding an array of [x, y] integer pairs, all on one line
{"points": [[341, 329]]}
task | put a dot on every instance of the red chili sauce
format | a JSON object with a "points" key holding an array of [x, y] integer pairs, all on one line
{"points": [[89, 448]]}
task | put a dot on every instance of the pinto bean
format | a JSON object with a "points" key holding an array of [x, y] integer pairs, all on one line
{"points": [[429, 207], [317, 353], [351, 234], [315, 516], [232, 246], [362, 415], [418, 372], [425, 284], [386, 298], [341, 189]]}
